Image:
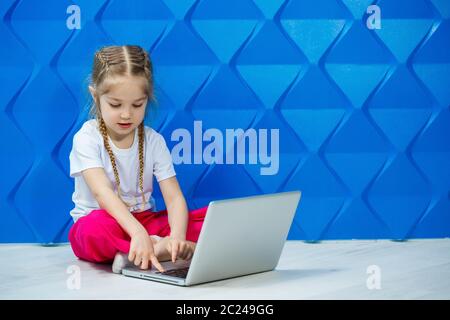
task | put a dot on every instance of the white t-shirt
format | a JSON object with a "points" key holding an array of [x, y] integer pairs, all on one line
{"points": [[88, 151]]}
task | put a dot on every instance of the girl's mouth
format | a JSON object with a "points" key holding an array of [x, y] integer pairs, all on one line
{"points": [[125, 126]]}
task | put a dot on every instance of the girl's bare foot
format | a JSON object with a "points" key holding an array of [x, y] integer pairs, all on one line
{"points": [[154, 239]]}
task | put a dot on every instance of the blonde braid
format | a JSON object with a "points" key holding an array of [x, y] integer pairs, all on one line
{"points": [[102, 128], [121, 60], [103, 60], [141, 162]]}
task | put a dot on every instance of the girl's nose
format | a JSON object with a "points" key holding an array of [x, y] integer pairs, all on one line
{"points": [[126, 114]]}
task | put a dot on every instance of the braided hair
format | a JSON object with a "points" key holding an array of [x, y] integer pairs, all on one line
{"points": [[122, 60]]}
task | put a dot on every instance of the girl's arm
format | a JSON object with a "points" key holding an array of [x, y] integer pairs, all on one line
{"points": [[107, 199], [141, 246], [176, 207]]}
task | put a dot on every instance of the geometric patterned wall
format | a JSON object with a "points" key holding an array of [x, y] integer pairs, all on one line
{"points": [[363, 114]]}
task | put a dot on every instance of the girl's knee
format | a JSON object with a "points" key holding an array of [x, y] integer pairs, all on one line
{"points": [[97, 237], [96, 225], [91, 243]]}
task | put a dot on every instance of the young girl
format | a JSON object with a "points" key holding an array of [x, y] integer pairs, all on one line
{"points": [[113, 160]]}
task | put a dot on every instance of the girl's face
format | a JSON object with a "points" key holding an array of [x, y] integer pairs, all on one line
{"points": [[124, 103]]}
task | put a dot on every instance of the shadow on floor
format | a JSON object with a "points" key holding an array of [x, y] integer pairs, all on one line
{"points": [[265, 279], [262, 279]]}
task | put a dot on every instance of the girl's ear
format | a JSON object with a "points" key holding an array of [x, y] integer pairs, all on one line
{"points": [[93, 92]]}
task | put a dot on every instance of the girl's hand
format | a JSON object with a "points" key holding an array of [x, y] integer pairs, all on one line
{"points": [[180, 247], [141, 251]]}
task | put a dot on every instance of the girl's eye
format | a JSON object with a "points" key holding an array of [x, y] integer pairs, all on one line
{"points": [[118, 105]]}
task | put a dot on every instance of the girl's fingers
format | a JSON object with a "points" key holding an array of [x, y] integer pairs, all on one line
{"points": [[184, 249], [185, 253], [144, 262], [156, 263], [131, 255], [174, 252], [137, 260], [180, 249], [191, 252]]}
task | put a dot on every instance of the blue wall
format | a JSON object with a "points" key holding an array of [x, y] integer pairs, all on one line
{"points": [[363, 114]]}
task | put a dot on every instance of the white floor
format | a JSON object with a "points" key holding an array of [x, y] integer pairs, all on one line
{"points": [[415, 269]]}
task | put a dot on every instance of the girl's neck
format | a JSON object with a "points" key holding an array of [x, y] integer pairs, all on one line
{"points": [[122, 142]]}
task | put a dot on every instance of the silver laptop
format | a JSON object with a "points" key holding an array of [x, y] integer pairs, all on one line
{"points": [[239, 237]]}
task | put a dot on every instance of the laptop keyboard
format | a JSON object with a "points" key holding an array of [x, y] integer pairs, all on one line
{"points": [[179, 273]]}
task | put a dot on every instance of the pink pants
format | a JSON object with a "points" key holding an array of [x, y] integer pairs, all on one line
{"points": [[97, 237]]}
